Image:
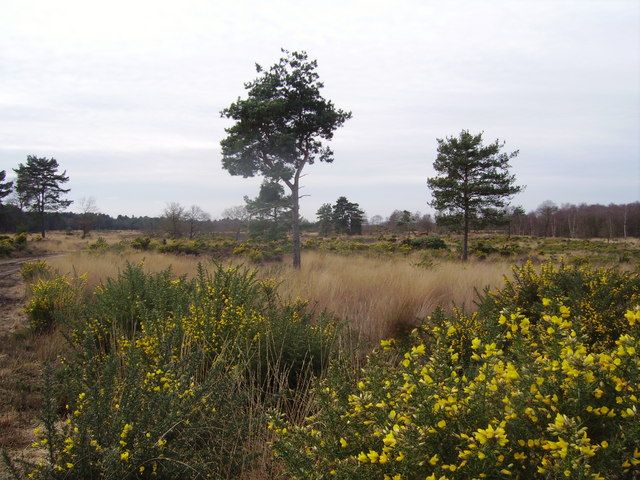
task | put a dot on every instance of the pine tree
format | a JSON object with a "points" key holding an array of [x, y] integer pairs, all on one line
{"points": [[269, 211], [281, 127], [38, 187], [347, 217], [5, 187], [325, 219], [473, 183]]}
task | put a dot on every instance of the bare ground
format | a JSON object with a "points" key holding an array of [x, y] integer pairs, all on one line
{"points": [[22, 357]]}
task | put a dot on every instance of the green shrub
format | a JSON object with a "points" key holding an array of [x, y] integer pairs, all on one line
{"points": [[20, 241], [598, 297], [171, 378], [481, 248], [50, 299], [469, 398], [6, 247], [187, 247], [141, 243], [422, 243], [100, 245], [35, 269]]}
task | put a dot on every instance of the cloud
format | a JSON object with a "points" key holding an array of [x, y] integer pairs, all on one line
{"points": [[126, 95]]}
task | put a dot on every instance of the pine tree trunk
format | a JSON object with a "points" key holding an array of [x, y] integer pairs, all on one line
{"points": [[295, 225], [42, 229], [465, 241]]}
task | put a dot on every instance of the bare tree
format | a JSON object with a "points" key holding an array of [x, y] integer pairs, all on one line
{"points": [[424, 222], [88, 212], [173, 217], [240, 215], [194, 217], [376, 220], [547, 211]]}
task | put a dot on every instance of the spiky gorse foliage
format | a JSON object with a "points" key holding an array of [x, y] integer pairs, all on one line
{"points": [[472, 397], [170, 378], [50, 298]]}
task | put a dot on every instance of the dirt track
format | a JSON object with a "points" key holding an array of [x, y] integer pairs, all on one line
{"points": [[22, 356], [12, 291]]}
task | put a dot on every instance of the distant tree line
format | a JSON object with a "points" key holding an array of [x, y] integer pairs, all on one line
{"points": [[577, 221], [33, 202], [548, 220]]}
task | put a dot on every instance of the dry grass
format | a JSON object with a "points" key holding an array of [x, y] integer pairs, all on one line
{"points": [[56, 242], [101, 266], [383, 297], [379, 297], [22, 357]]}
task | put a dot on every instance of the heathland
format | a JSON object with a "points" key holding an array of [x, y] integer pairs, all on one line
{"points": [[126, 356]]}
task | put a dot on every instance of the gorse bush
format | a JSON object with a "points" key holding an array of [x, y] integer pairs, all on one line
{"points": [[186, 247], [9, 245], [34, 269], [420, 243], [20, 241], [255, 250], [50, 299], [100, 245], [171, 378], [597, 297], [482, 397], [141, 243]]}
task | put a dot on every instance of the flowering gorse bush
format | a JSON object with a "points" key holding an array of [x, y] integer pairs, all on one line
{"points": [[34, 269], [597, 297], [50, 299], [170, 378], [501, 398]]}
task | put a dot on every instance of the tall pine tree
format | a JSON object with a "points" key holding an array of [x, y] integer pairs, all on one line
{"points": [[281, 127], [473, 183], [38, 187]]}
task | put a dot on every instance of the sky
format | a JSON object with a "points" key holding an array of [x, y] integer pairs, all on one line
{"points": [[127, 95]]}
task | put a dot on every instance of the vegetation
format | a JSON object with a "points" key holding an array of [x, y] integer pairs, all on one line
{"points": [[187, 376], [172, 377], [5, 187], [493, 394], [473, 182], [269, 211], [569, 221], [280, 128], [347, 217], [39, 187], [384, 357], [9, 245], [88, 214]]}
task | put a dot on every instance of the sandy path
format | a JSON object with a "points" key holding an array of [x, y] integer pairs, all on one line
{"points": [[22, 356]]}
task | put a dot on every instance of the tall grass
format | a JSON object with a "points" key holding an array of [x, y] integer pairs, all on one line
{"points": [[383, 297], [379, 297]]}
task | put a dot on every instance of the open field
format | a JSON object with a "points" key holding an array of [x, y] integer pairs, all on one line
{"points": [[276, 319], [376, 296]]}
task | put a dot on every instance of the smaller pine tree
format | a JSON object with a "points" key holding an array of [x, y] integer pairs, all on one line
{"points": [[473, 183]]}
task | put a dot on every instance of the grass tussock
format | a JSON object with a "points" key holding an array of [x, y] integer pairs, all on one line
{"points": [[383, 297]]}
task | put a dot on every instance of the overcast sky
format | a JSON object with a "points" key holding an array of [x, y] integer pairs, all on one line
{"points": [[126, 95]]}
